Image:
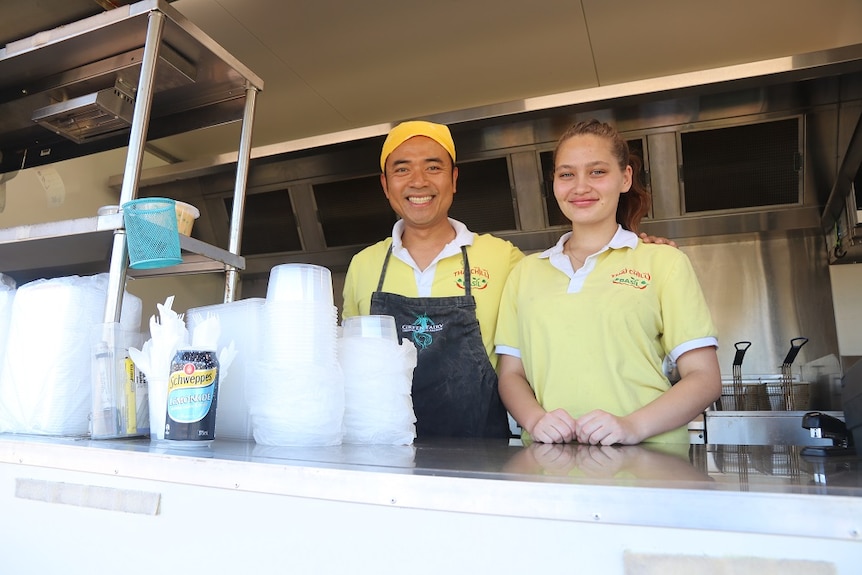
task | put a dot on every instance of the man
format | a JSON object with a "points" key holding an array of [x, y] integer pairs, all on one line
{"points": [[441, 282]]}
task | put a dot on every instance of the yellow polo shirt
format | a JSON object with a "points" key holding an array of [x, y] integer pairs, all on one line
{"points": [[595, 338], [491, 260]]}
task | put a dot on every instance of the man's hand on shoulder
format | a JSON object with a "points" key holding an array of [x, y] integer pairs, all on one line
{"points": [[656, 240]]}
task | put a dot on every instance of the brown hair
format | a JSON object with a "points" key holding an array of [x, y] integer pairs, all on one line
{"points": [[635, 204]]}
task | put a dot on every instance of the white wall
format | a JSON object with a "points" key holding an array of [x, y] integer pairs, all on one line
{"points": [[847, 299], [188, 290], [76, 189], [64, 190]]}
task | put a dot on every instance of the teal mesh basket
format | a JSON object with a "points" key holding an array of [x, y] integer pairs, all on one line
{"points": [[151, 233]]}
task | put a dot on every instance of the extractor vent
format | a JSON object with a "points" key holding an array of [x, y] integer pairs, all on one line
{"points": [[746, 166], [88, 117]]}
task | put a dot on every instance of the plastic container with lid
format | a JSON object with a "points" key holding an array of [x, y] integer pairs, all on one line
{"points": [[186, 216]]}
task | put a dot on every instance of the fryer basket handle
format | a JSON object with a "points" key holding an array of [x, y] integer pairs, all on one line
{"points": [[741, 347], [795, 345]]}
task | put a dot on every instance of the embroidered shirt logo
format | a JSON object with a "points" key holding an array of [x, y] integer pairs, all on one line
{"points": [[420, 331], [633, 278], [479, 278]]}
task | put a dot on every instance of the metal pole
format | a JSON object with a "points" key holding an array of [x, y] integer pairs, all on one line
{"points": [[134, 160], [242, 167]]}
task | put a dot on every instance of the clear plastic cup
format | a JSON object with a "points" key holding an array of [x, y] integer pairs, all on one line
{"points": [[300, 283], [370, 326], [293, 331]]}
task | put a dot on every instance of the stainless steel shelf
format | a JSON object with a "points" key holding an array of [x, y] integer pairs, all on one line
{"points": [[198, 258], [762, 428], [196, 82], [168, 77], [83, 246]]}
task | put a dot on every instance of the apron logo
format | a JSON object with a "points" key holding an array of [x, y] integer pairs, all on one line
{"points": [[633, 278], [421, 330], [478, 278]]}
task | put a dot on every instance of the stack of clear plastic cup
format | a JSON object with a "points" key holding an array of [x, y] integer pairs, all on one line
{"points": [[296, 396], [300, 283]]}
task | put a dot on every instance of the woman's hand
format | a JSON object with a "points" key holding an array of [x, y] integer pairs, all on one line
{"points": [[518, 397], [602, 428], [656, 240], [555, 426]]}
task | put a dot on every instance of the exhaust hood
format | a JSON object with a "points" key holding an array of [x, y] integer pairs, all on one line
{"points": [[87, 117], [100, 113]]}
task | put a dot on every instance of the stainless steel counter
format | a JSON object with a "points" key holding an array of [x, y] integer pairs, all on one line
{"points": [[654, 485], [722, 506]]}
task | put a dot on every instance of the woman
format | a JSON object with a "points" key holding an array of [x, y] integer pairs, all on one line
{"points": [[584, 326]]}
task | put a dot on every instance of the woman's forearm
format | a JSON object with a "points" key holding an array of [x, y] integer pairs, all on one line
{"points": [[517, 395], [699, 386]]}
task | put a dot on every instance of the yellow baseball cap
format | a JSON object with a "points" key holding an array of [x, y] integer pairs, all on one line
{"points": [[406, 130]]}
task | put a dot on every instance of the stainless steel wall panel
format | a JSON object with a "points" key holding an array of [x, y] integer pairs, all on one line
{"points": [[664, 175], [767, 289], [820, 151], [527, 181], [308, 222]]}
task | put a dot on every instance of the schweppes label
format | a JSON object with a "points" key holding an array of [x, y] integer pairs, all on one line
{"points": [[191, 377], [190, 394]]}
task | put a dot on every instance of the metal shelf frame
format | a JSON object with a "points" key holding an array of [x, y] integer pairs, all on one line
{"points": [[68, 61], [69, 246]]}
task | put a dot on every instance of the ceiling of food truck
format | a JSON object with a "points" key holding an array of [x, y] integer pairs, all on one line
{"points": [[331, 65]]}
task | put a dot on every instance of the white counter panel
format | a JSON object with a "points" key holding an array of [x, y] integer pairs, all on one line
{"points": [[242, 509]]}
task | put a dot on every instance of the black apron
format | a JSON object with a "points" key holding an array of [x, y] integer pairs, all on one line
{"points": [[454, 385]]}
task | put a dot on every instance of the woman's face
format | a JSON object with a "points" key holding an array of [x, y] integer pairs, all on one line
{"points": [[588, 180]]}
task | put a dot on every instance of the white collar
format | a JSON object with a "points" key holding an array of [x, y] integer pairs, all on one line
{"points": [[622, 239], [463, 236]]}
